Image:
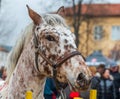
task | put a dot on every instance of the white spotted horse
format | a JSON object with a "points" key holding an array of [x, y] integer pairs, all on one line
{"points": [[45, 49]]}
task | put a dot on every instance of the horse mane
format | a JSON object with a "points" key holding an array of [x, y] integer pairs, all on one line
{"points": [[13, 57], [16, 51]]}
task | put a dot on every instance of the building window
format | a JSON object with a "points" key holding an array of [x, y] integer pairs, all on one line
{"points": [[98, 32], [115, 33]]}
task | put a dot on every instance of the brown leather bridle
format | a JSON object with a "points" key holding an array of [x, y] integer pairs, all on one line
{"points": [[54, 65]]}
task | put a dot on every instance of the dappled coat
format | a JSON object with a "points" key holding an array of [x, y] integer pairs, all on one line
{"points": [[106, 89]]}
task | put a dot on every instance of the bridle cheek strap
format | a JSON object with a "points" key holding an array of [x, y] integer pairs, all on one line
{"points": [[54, 65]]}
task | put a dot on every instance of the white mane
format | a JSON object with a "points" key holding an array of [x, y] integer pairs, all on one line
{"points": [[15, 53]]}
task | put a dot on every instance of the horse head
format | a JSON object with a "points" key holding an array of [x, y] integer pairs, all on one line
{"points": [[56, 53]]}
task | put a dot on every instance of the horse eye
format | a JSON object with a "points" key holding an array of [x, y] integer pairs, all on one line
{"points": [[50, 38]]}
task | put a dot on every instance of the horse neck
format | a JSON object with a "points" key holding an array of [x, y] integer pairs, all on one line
{"points": [[25, 78]]}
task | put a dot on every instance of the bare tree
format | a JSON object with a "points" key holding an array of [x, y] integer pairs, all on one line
{"points": [[0, 3], [76, 18]]}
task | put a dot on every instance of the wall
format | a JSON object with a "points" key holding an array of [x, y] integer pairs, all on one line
{"points": [[87, 42]]}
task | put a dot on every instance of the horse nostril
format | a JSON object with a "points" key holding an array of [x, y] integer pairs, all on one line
{"points": [[80, 76]]}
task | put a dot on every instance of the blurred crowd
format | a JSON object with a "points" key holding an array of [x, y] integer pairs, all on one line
{"points": [[105, 80]]}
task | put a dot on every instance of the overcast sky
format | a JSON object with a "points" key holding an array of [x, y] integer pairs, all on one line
{"points": [[14, 16], [105, 1]]}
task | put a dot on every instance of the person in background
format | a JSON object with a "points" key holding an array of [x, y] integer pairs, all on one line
{"points": [[93, 70], [100, 70], [116, 75], [96, 76], [1, 71], [50, 90], [106, 88], [3, 74]]}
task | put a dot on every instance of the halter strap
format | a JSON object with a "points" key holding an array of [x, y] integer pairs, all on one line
{"points": [[54, 65], [61, 61]]}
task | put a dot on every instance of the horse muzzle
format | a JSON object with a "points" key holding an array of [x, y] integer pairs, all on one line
{"points": [[82, 82]]}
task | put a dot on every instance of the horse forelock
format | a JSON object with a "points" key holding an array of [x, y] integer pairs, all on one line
{"points": [[54, 20]]}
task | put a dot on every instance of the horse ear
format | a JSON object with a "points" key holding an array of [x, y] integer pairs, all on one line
{"points": [[34, 16], [61, 11]]}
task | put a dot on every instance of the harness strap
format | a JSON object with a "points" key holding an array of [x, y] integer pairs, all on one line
{"points": [[36, 62], [36, 53], [61, 61]]}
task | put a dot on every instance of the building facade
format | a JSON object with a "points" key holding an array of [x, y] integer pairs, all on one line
{"points": [[99, 29]]}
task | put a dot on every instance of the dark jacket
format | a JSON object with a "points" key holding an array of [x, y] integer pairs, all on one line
{"points": [[50, 87], [116, 76], [94, 84], [106, 89]]}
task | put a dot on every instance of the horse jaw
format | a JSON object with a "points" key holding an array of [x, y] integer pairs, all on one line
{"points": [[72, 68]]}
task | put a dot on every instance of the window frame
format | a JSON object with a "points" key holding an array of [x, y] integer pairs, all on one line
{"points": [[115, 36], [95, 32]]}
